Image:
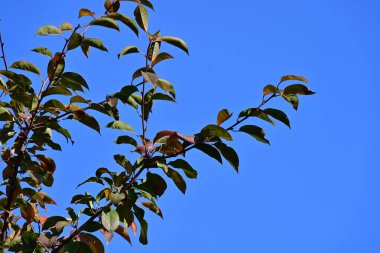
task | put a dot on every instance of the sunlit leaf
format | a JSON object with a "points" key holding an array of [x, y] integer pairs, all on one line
{"points": [[112, 6], [43, 50], [161, 57], [144, 2], [27, 66], [152, 207], [93, 42], [141, 16], [128, 50], [47, 163], [223, 115], [177, 42], [119, 125], [48, 30], [85, 12], [130, 23], [269, 89], [66, 27], [293, 78], [105, 22], [292, 99], [215, 131], [166, 86], [110, 219], [93, 243]]}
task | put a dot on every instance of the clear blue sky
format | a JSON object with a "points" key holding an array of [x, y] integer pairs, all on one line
{"points": [[315, 189]]}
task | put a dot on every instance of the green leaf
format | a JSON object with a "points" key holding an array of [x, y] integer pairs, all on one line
{"points": [[93, 42], [292, 99], [85, 12], [27, 66], [270, 89], [47, 30], [126, 140], [110, 219], [293, 78], [177, 179], [87, 120], [29, 241], [256, 132], [166, 86], [119, 125], [161, 57], [210, 151], [229, 154], [128, 50], [43, 50], [279, 115], [215, 131], [75, 41], [298, 89], [105, 22], [78, 99], [185, 166], [254, 112], [223, 115], [91, 180], [152, 207], [56, 104], [160, 96], [150, 77], [16, 78], [73, 81], [156, 183], [143, 2], [5, 115], [141, 16], [57, 90], [177, 42], [130, 23], [52, 221], [66, 27]]}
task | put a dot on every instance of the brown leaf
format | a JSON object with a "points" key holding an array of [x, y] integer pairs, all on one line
{"points": [[123, 233]]}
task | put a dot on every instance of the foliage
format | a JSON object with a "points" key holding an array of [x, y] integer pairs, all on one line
{"points": [[31, 112]]}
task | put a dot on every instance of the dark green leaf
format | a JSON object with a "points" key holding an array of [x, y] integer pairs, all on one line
{"points": [[254, 112], [56, 104], [279, 115], [27, 66], [126, 140], [16, 78], [256, 132], [92, 242], [160, 96], [57, 90], [73, 80], [177, 179], [87, 120], [210, 151], [29, 241], [185, 166], [91, 180], [75, 41], [298, 89], [52, 221], [229, 154]]}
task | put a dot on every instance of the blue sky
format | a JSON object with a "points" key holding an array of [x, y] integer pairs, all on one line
{"points": [[315, 189]]}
